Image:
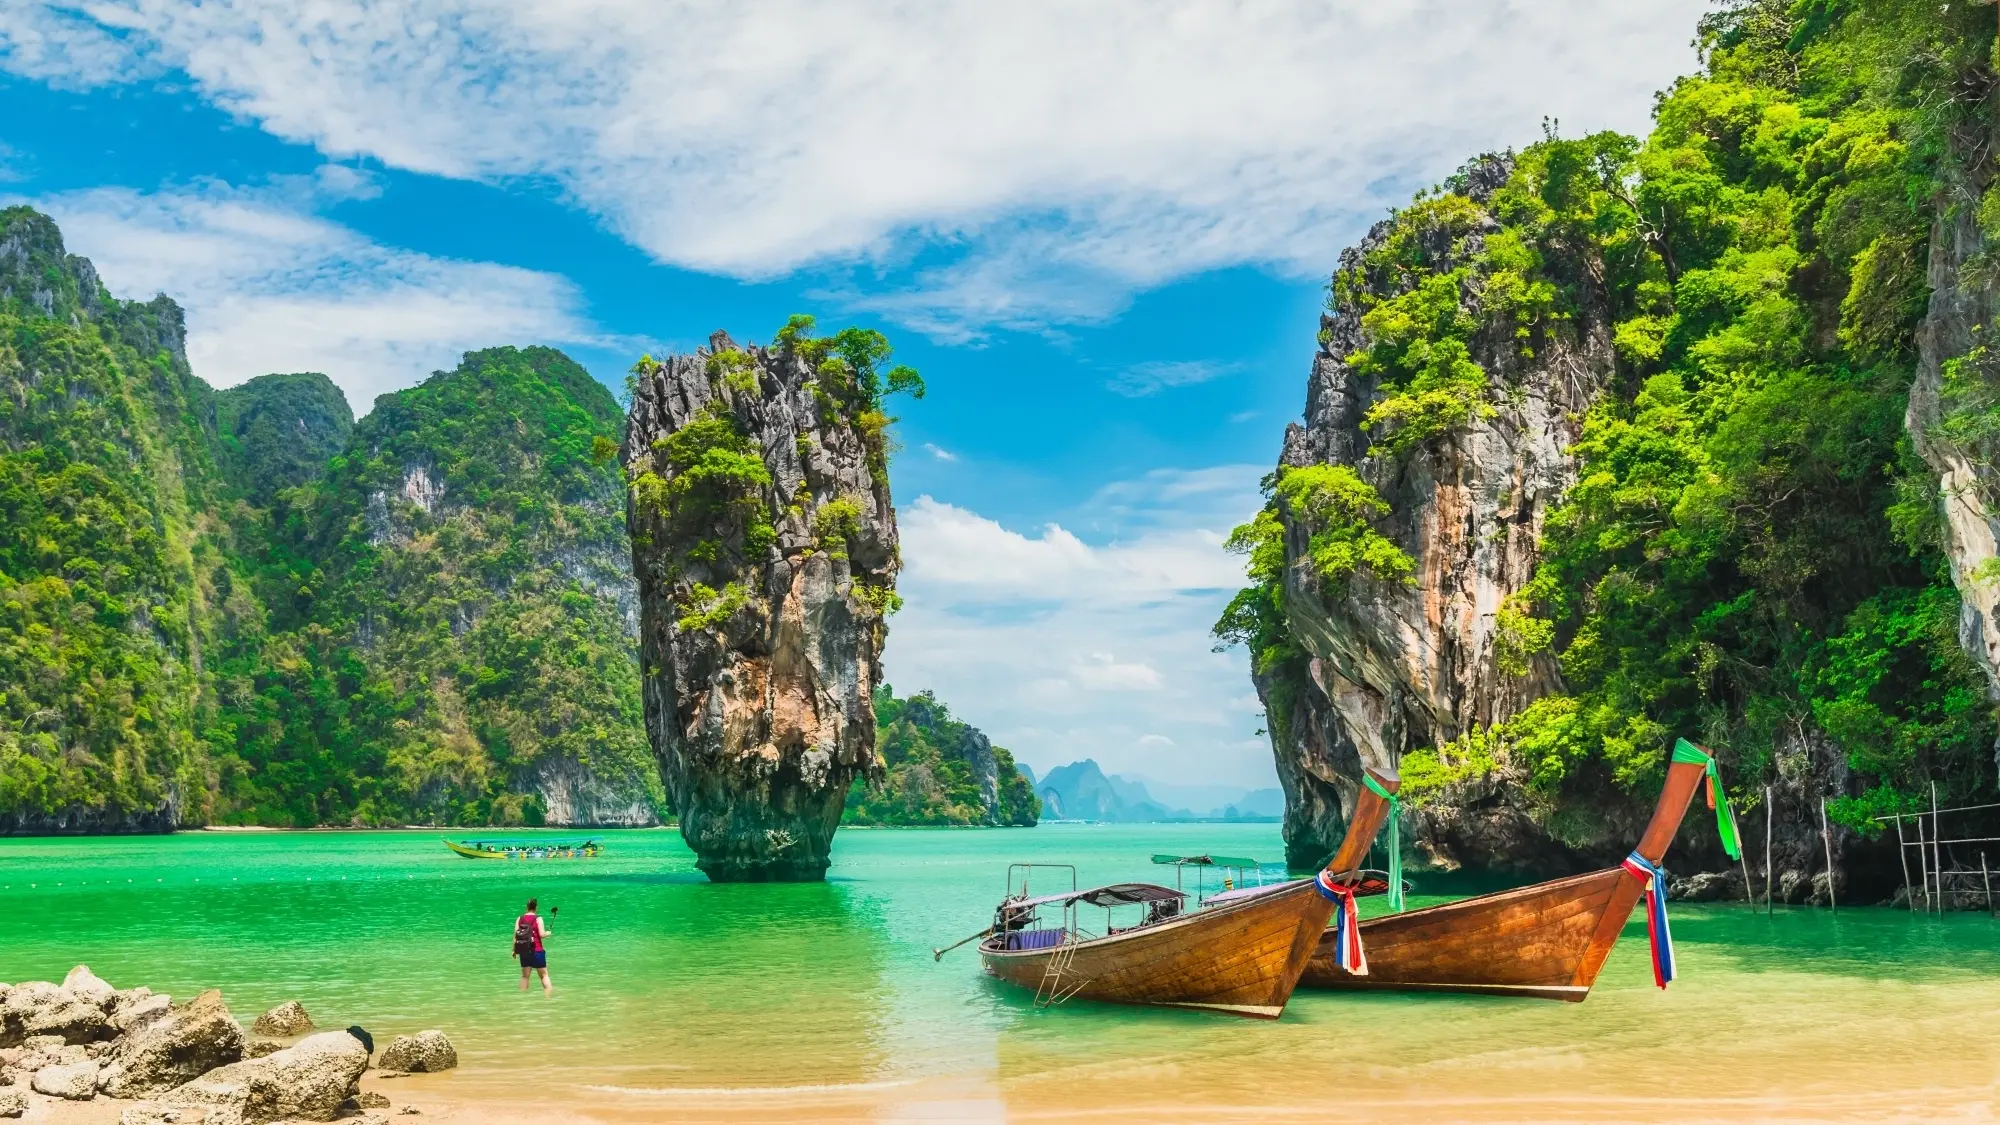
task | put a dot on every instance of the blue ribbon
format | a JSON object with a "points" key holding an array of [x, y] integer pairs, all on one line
{"points": [[1662, 939]]}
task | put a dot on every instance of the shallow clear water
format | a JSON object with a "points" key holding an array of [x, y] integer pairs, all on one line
{"points": [[680, 999]]}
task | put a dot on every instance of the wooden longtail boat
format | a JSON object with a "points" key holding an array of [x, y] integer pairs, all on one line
{"points": [[1547, 940], [554, 850], [1242, 956]]}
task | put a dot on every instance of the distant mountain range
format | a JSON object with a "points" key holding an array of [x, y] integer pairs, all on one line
{"points": [[1083, 791]]}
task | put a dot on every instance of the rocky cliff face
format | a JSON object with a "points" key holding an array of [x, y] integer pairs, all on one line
{"points": [[766, 554], [471, 563], [103, 470], [1391, 666], [1964, 304]]}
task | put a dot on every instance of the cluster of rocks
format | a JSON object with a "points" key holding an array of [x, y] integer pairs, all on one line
{"points": [[83, 1039]]}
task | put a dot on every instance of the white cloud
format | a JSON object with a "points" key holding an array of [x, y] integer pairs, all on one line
{"points": [[1142, 379], [939, 452], [1062, 648], [269, 286], [1104, 672], [1053, 156]]}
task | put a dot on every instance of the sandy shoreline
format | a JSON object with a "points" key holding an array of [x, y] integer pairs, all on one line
{"points": [[1052, 1099]]}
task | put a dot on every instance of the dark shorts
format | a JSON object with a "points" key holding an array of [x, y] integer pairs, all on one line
{"points": [[535, 959]]}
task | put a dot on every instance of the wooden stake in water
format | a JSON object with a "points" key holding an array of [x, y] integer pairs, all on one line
{"points": [[1903, 853], [1988, 880], [1826, 837], [1923, 863], [1937, 856], [1742, 857], [1770, 806]]}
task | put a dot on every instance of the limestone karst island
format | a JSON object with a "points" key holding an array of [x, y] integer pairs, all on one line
{"points": [[586, 564]]}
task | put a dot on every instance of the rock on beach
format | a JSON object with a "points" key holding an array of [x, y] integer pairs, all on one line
{"points": [[76, 1081], [179, 1046], [426, 1052], [285, 1021], [307, 1081]]}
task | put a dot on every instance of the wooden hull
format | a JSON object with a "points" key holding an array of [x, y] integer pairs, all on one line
{"points": [[1548, 940], [1242, 958], [472, 853]]}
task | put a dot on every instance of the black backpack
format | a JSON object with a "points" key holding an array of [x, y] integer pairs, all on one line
{"points": [[524, 934]]}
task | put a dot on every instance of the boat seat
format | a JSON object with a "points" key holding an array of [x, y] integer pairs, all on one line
{"points": [[1034, 939]]}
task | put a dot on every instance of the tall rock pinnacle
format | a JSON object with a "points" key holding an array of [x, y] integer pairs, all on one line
{"points": [[765, 548]]}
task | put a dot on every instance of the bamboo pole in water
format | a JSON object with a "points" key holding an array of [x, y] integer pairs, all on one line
{"points": [[1826, 837], [1923, 864], [1742, 857], [1937, 856], [1903, 853], [1988, 880], [1770, 806]]}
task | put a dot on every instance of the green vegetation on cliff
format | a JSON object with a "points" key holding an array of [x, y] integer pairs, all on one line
{"points": [[1751, 553], [937, 770], [102, 475], [458, 589], [239, 606]]}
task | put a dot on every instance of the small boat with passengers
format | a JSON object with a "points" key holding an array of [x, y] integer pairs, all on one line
{"points": [[538, 849], [1236, 952]]}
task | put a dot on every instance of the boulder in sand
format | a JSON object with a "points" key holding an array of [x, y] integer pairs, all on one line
{"points": [[134, 1007], [75, 1081], [307, 1081], [13, 1103], [181, 1045], [86, 985], [426, 1052], [48, 1050], [74, 1010], [23, 1001], [285, 1021]]}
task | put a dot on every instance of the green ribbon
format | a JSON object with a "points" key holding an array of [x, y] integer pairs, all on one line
{"points": [[1725, 824], [1395, 841]]}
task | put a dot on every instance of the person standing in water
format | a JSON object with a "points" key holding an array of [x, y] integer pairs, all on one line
{"points": [[530, 930]]}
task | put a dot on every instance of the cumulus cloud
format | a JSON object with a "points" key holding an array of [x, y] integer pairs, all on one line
{"points": [[1063, 647], [1142, 379], [270, 286], [1049, 157]]}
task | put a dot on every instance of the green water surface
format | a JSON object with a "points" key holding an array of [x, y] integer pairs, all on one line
{"points": [[668, 983]]}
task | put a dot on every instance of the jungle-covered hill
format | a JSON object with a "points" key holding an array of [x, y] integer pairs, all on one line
{"points": [[239, 606], [1618, 439], [939, 771]]}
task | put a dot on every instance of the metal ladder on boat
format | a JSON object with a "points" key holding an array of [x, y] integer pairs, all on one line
{"points": [[1056, 987]]}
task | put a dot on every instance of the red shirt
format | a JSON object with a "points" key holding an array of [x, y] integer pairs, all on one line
{"points": [[534, 921]]}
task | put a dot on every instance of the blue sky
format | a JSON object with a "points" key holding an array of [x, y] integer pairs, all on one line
{"points": [[1101, 232]]}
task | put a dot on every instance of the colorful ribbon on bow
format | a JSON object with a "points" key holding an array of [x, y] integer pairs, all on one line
{"points": [[1655, 879], [1718, 798], [1346, 924], [1395, 829]]}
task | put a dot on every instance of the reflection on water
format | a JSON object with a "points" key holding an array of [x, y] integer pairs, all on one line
{"points": [[681, 999]]}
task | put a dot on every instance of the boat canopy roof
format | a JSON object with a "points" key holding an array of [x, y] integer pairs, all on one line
{"points": [[1252, 892], [1206, 861], [1114, 894]]}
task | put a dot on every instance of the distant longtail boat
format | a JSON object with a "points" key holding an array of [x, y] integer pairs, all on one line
{"points": [[1241, 954], [1547, 940], [480, 849]]}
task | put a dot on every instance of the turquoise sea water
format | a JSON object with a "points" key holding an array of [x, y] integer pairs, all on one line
{"points": [[680, 999]]}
